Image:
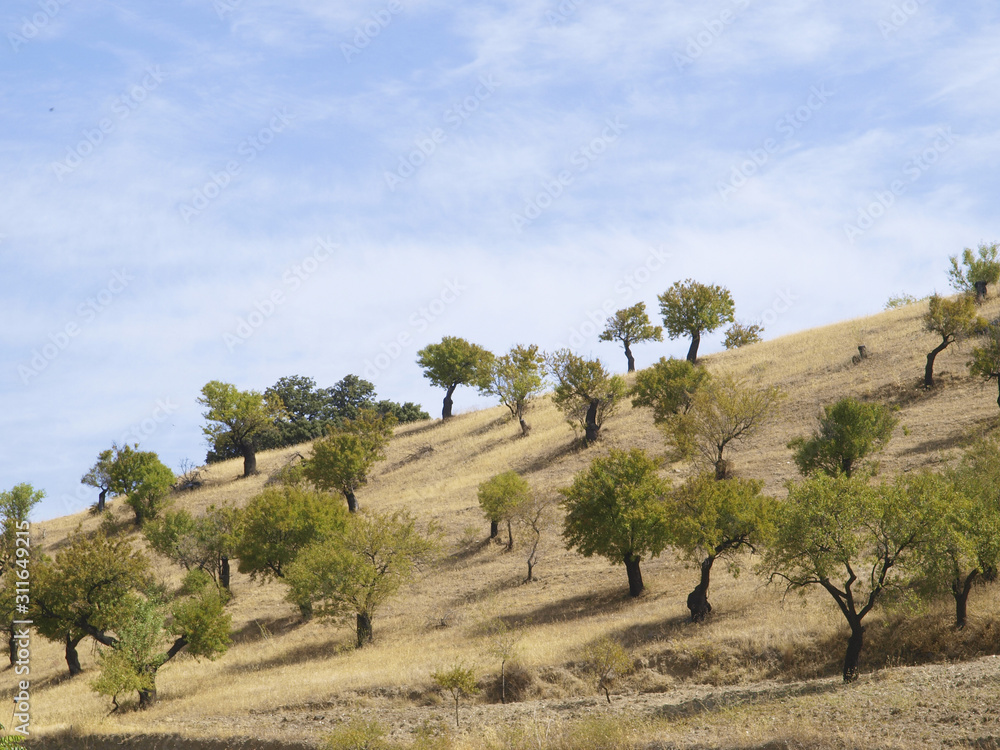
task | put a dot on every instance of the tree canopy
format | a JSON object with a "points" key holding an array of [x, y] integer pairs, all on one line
{"points": [[690, 308], [240, 420], [849, 431], [515, 379], [142, 478], [585, 392], [980, 267], [668, 387], [451, 363], [952, 320], [501, 497], [616, 509]]}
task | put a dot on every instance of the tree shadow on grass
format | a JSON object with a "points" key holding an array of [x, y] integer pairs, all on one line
{"points": [[573, 608], [298, 655], [727, 699], [256, 631]]}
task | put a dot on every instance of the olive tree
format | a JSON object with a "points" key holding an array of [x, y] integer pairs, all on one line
{"points": [[501, 497], [690, 308], [849, 431], [723, 412], [616, 509], [515, 379], [142, 478], [99, 476], [709, 520], [668, 387], [585, 392], [451, 363], [354, 572], [204, 543], [952, 320], [631, 326], [980, 270], [854, 540], [16, 556], [240, 420]]}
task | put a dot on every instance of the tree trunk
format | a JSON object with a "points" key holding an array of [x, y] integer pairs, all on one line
{"points": [[854, 644], [630, 358], [224, 574], [980, 287], [722, 469], [101, 500], [961, 594], [147, 698], [693, 350], [494, 529], [503, 682], [591, 428], [364, 629], [847, 466], [531, 569], [698, 599], [998, 389], [929, 369], [72, 657], [863, 352], [510, 536], [352, 501], [446, 408], [635, 587], [249, 461], [524, 426]]}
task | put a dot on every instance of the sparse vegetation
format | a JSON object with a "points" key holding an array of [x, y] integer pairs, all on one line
{"points": [[458, 680], [516, 379], [952, 320], [849, 432], [668, 387], [742, 334], [452, 363], [501, 498], [608, 661], [976, 271], [631, 326], [585, 392], [690, 308]]}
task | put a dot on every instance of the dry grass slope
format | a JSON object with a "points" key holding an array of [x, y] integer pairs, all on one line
{"points": [[759, 670]]}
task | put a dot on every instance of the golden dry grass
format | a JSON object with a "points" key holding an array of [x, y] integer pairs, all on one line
{"points": [[279, 667]]}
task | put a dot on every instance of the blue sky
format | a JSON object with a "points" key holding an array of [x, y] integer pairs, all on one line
{"points": [[248, 189]]}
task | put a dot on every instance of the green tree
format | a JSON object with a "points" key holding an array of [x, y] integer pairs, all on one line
{"points": [[279, 523], [354, 572], [608, 661], [742, 334], [404, 413], [691, 309], [979, 270], [585, 392], [459, 680], [99, 476], [709, 520], [146, 639], [667, 387], [205, 543], [852, 539], [986, 358], [75, 595], [515, 379], [631, 326], [849, 431], [239, 420], [725, 411], [452, 363], [142, 478], [15, 556], [500, 497], [342, 460], [952, 320], [616, 509], [534, 517]]}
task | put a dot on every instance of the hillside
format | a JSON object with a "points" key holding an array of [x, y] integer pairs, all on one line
{"points": [[762, 668]]}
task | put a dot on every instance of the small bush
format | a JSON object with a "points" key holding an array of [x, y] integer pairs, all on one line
{"points": [[359, 735], [519, 683]]}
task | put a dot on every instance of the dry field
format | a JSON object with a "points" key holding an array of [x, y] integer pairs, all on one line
{"points": [[763, 669]]}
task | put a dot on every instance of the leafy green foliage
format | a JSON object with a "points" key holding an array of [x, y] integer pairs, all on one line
{"points": [[359, 734], [723, 412], [585, 392], [667, 387], [690, 308], [849, 431], [204, 543], [15, 507], [341, 461], [952, 320], [900, 300], [452, 363], [982, 266], [501, 497], [616, 509], [354, 571], [631, 326], [515, 379], [986, 358], [99, 475], [742, 334], [143, 478], [240, 421], [278, 523], [458, 680], [607, 660]]}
